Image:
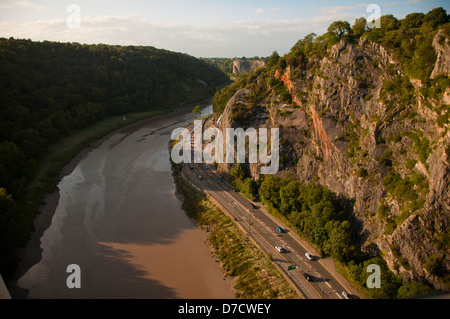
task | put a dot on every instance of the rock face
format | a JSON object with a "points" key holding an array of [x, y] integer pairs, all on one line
{"points": [[241, 66], [442, 47], [390, 160]]}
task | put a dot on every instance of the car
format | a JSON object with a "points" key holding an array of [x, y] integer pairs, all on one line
{"points": [[279, 248], [307, 277], [308, 255], [220, 179], [206, 166], [199, 177], [346, 295], [191, 167], [281, 230], [234, 190]]}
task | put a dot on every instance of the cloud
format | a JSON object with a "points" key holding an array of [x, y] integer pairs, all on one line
{"points": [[227, 39], [390, 4], [259, 11], [341, 9], [10, 4]]}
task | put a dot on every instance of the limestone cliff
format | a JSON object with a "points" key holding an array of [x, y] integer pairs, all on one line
{"points": [[385, 155], [241, 66]]}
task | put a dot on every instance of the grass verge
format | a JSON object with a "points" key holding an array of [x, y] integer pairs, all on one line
{"points": [[255, 276]]}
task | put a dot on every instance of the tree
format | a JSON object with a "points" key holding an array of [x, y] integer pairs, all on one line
{"points": [[359, 27], [413, 20], [338, 245], [238, 172], [273, 59], [339, 29], [389, 23], [282, 64], [436, 17], [413, 288]]}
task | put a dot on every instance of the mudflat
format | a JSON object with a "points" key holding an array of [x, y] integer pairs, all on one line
{"points": [[117, 217]]}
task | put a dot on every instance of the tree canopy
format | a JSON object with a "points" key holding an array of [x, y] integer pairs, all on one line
{"points": [[50, 89]]}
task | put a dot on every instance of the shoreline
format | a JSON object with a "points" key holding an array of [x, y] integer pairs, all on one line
{"points": [[30, 254]]}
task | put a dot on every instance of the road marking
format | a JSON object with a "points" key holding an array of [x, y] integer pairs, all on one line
{"points": [[272, 248], [328, 284]]}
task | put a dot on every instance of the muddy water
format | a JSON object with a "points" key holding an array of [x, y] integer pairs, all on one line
{"points": [[119, 220]]}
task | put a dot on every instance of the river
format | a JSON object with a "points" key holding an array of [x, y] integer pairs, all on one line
{"points": [[118, 218]]}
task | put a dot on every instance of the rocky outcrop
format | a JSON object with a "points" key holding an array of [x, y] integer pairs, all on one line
{"points": [[341, 132], [241, 66], [441, 45]]}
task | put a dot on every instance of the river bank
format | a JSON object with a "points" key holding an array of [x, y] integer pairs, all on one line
{"points": [[254, 276], [61, 161]]}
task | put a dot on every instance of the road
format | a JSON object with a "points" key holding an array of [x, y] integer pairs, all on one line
{"points": [[262, 227]]}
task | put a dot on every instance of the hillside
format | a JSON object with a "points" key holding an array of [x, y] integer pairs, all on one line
{"points": [[49, 90], [364, 114]]}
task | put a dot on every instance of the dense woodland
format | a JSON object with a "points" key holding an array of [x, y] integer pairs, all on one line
{"points": [[49, 90]]}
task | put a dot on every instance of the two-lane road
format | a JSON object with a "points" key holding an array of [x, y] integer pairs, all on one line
{"points": [[310, 278]]}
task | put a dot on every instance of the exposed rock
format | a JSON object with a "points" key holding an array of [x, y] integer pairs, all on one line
{"points": [[342, 135], [441, 45], [241, 66]]}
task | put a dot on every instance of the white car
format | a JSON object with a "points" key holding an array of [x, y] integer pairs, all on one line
{"points": [[345, 294], [308, 255], [279, 248]]}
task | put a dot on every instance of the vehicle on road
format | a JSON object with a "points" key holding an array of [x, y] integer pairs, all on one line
{"points": [[220, 179], [280, 230], [191, 167], [308, 255], [199, 177], [346, 295], [307, 277], [279, 249], [206, 166], [234, 190]]}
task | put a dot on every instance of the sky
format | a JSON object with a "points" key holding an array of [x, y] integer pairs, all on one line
{"points": [[201, 28]]}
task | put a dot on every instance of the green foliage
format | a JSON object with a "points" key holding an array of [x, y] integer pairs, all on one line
{"points": [[362, 172], [222, 97], [434, 265], [410, 40], [242, 182], [409, 191], [313, 210], [412, 289], [421, 146], [197, 109], [49, 90], [359, 27], [436, 17], [401, 88], [356, 272], [339, 30], [273, 60]]}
